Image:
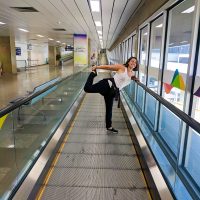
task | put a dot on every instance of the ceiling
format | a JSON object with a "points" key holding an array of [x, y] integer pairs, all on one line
{"points": [[75, 16]]}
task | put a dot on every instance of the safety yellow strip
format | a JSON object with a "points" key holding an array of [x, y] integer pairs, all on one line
{"points": [[46, 180]]}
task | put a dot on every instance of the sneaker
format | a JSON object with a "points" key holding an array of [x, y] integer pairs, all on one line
{"points": [[112, 130]]}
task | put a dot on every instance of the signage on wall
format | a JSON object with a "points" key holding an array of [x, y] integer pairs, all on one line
{"points": [[29, 47], [18, 51]]}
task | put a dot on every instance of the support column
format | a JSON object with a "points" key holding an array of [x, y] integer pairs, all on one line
{"points": [[8, 54], [52, 56]]}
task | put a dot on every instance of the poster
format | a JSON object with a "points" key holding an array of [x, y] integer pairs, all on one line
{"points": [[80, 50], [18, 51]]}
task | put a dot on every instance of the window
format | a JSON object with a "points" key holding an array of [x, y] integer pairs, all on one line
{"points": [[155, 52], [143, 54], [178, 52]]}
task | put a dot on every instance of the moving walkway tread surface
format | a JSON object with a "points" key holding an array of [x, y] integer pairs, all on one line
{"points": [[94, 164]]}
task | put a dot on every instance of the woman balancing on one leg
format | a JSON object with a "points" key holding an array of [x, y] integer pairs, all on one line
{"points": [[108, 87]]}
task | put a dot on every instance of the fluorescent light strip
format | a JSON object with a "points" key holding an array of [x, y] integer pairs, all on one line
{"points": [[58, 41], [189, 10], [95, 6], [50, 39], [98, 23], [24, 30], [2, 23]]}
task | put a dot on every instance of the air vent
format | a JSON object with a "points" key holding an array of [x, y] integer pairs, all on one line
{"points": [[24, 9], [59, 29]]}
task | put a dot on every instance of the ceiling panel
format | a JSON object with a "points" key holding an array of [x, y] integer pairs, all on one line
{"points": [[107, 9], [129, 10], [75, 16], [117, 12]]}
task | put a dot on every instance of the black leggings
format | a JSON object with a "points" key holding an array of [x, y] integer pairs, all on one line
{"points": [[103, 88]]}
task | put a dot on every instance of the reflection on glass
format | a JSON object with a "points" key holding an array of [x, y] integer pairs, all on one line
{"points": [[155, 51], [133, 46], [129, 47], [196, 94], [143, 54], [169, 129], [178, 53], [193, 155]]}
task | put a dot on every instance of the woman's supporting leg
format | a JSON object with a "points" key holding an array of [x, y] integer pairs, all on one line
{"points": [[109, 104]]}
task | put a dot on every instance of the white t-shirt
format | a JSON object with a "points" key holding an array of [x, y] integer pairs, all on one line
{"points": [[122, 79]]}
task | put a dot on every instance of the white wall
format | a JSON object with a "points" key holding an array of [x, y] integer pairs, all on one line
{"points": [[39, 54]]}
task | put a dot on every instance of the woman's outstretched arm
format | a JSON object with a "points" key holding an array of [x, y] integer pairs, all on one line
{"points": [[117, 67]]}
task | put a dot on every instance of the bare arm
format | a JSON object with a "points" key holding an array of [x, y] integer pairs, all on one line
{"points": [[110, 67], [134, 78]]}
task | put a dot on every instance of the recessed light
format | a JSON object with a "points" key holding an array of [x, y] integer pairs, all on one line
{"points": [[2, 23], [95, 6], [99, 32], [24, 30], [189, 10], [159, 26], [98, 23], [40, 36]]}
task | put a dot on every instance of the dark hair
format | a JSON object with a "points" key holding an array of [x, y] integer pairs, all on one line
{"points": [[137, 64]]}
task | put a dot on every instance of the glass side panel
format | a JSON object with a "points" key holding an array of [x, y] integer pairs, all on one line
{"points": [[155, 54], [178, 52], [150, 108], [140, 97], [169, 129], [169, 172], [27, 129], [193, 155], [143, 54]]}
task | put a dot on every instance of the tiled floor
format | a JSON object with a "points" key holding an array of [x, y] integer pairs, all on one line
{"points": [[14, 86]]}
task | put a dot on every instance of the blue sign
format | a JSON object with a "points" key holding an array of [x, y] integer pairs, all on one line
{"points": [[18, 51]]}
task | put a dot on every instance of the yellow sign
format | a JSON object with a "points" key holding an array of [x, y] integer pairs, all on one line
{"points": [[2, 120]]}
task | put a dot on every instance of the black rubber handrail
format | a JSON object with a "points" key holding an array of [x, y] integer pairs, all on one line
{"points": [[182, 115], [29, 97]]}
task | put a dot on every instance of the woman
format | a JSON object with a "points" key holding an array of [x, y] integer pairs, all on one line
{"points": [[108, 87]]}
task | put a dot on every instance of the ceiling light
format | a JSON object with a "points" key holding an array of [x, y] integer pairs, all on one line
{"points": [[2, 23], [99, 32], [100, 37], [40, 35], [98, 23], [95, 6], [63, 43], [50, 39], [159, 26], [24, 30], [58, 41], [189, 10]]}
